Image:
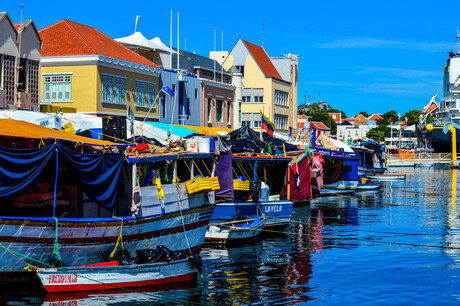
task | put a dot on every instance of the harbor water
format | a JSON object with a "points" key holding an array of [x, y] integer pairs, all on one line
{"points": [[399, 245]]}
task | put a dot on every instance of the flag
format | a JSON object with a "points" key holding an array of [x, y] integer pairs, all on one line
{"points": [[167, 91], [130, 116], [267, 124], [295, 171]]}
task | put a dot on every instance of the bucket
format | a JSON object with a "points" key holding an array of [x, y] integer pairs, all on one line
{"points": [[204, 145], [191, 145], [212, 144]]}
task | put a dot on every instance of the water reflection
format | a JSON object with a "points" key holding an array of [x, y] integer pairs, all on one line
{"points": [[377, 247]]}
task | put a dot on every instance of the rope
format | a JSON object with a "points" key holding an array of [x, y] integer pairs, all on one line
{"points": [[55, 183], [255, 171], [206, 167], [197, 167], [120, 238], [182, 219], [97, 281], [57, 246], [243, 171]]}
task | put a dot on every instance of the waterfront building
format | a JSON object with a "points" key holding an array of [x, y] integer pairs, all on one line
{"points": [[320, 128], [264, 89], [337, 117], [84, 70], [215, 93], [20, 47], [350, 132]]}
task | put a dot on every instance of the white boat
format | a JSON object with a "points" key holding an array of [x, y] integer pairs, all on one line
{"points": [[369, 186], [341, 187], [387, 177], [426, 165], [234, 232], [111, 275]]}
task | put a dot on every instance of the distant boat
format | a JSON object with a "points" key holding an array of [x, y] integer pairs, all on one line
{"points": [[387, 177], [234, 232], [424, 164], [369, 186], [111, 275]]}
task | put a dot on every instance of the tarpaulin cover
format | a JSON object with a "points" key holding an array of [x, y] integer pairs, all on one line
{"points": [[224, 173], [247, 140], [372, 145], [303, 191], [350, 170], [19, 167], [98, 174], [332, 170], [23, 129]]}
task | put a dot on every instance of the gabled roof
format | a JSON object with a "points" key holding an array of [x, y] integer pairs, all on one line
{"points": [[374, 117], [318, 126], [350, 119], [262, 59], [345, 122], [20, 27], [360, 117], [65, 38]]}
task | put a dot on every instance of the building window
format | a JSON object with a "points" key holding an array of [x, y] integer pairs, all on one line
{"points": [[219, 111], [33, 68], [120, 88], [257, 124], [228, 112], [258, 99], [196, 93], [164, 105], [246, 123], [209, 110], [239, 112], [8, 77], [240, 69], [145, 94], [281, 97], [107, 88], [280, 121], [57, 88], [246, 98]]}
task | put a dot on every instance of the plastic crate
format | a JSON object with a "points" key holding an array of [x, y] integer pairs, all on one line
{"points": [[241, 185], [198, 184], [254, 186], [215, 183]]}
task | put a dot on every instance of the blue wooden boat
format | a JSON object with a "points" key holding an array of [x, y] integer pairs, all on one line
{"points": [[235, 232]]}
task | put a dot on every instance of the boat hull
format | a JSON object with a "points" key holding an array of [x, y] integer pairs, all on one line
{"points": [[74, 279], [89, 241], [341, 187], [369, 186], [278, 213], [233, 233], [388, 177]]}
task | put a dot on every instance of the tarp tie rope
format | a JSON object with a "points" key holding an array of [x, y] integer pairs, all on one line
{"points": [[57, 246], [206, 167], [197, 168], [120, 238]]}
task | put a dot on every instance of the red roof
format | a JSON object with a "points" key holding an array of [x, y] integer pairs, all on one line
{"points": [[360, 117], [66, 37], [350, 119], [374, 117], [262, 59], [17, 25], [336, 116], [318, 126]]}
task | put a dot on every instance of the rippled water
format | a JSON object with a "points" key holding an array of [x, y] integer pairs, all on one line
{"points": [[399, 245]]}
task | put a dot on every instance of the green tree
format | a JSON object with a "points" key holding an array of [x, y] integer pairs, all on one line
{"points": [[413, 117], [379, 132], [390, 117], [365, 114]]}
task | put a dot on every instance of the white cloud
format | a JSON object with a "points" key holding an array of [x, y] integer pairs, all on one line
{"points": [[369, 42]]}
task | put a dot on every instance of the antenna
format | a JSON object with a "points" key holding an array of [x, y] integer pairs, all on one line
{"points": [[263, 31], [458, 36], [222, 67], [319, 99], [305, 97], [185, 43], [135, 24], [22, 11]]}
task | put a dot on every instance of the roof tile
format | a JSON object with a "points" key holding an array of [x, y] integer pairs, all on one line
{"points": [[262, 59], [66, 37]]}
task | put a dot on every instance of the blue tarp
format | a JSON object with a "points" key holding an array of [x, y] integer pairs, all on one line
{"points": [[98, 174]]}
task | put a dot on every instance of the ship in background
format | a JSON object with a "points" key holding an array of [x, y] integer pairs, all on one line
{"points": [[448, 109]]}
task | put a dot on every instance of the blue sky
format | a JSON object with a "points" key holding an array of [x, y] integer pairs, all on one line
{"points": [[357, 55]]}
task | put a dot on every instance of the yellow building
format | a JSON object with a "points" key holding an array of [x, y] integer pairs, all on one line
{"points": [[264, 90], [84, 70]]}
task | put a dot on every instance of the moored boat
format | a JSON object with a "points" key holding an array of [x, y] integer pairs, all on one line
{"points": [[387, 177], [235, 232], [112, 275], [369, 186]]}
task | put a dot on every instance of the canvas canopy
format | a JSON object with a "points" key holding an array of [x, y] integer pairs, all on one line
{"points": [[139, 40], [23, 129], [209, 131]]}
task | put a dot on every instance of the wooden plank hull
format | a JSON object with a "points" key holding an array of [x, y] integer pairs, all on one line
{"points": [[233, 232], [73, 279], [89, 241]]}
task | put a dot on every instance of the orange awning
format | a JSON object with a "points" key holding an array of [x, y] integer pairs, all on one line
{"points": [[23, 129]]}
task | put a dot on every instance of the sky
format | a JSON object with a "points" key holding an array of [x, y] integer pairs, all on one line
{"points": [[372, 56]]}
